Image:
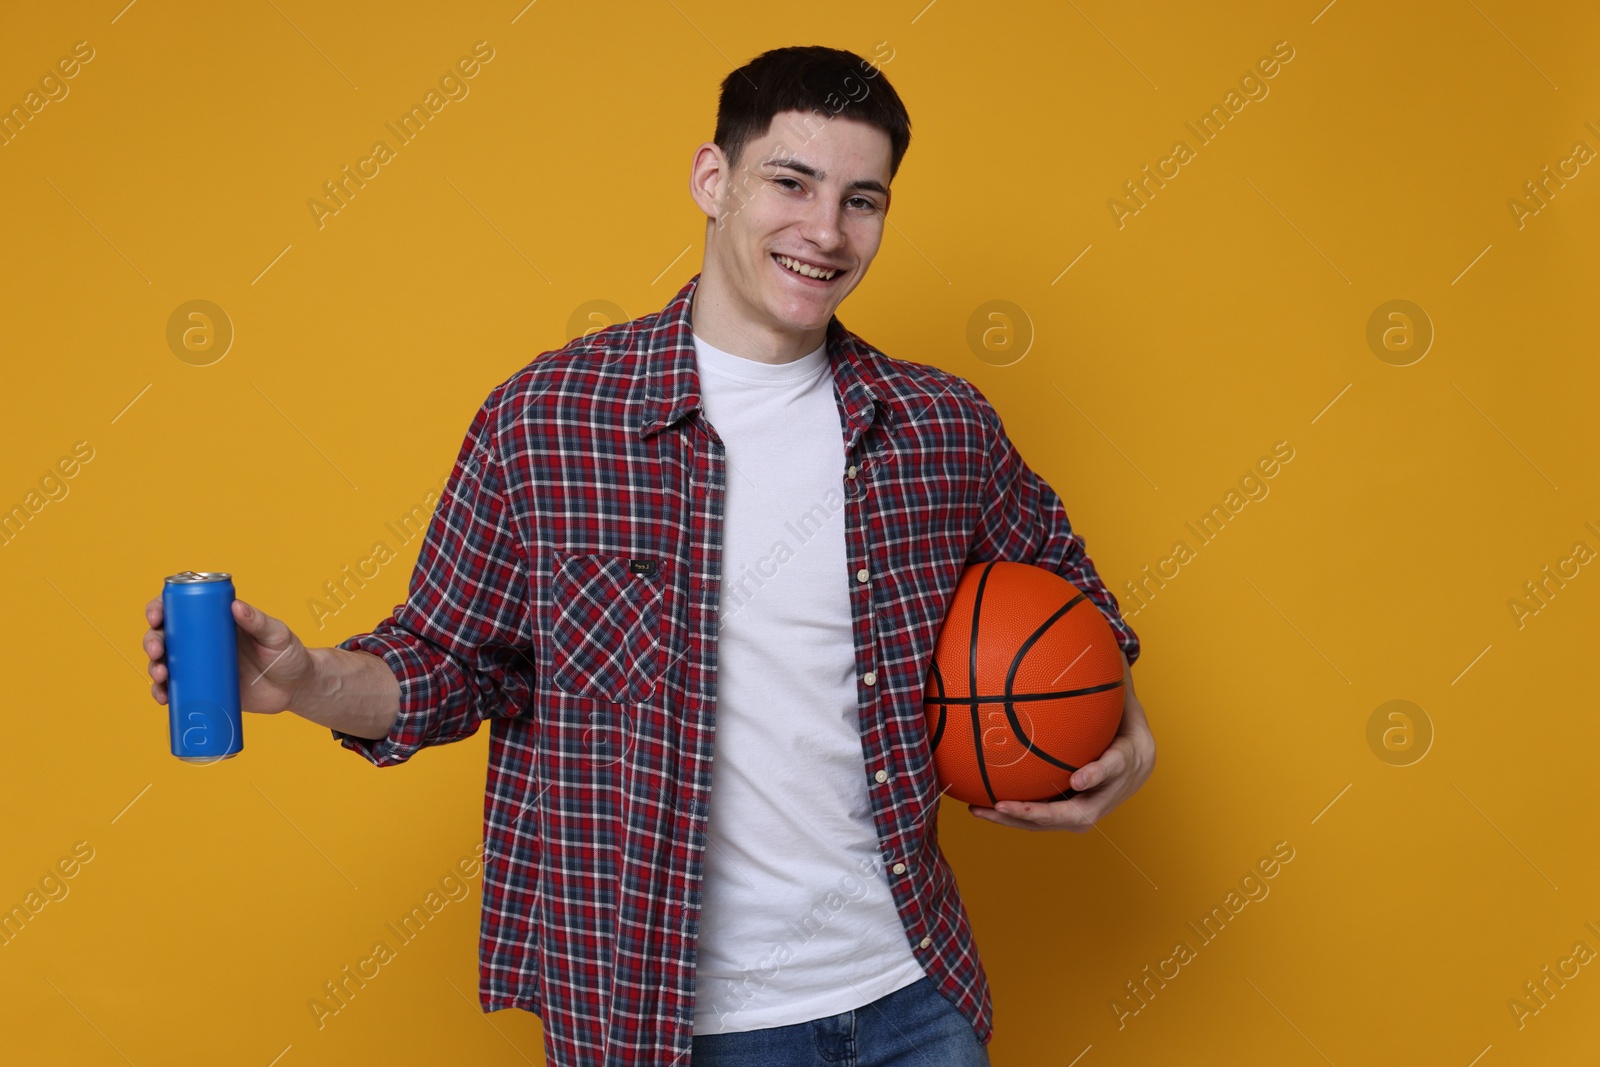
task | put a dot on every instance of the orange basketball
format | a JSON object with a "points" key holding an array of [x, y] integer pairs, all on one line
{"points": [[1025, 687]]}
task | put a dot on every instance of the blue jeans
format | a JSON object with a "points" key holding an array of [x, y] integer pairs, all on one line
{"points": [[912, 1027]]}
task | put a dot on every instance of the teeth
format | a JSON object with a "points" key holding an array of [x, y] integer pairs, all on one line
{"points": [[801, 268]]}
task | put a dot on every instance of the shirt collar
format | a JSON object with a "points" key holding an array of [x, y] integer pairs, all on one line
{"points": [[664, 343]]}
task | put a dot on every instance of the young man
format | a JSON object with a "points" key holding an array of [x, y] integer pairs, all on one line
{"points": [[691, 570]]}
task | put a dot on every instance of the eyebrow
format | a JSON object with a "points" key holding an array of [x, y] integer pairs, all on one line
{"points": [[809, 171]]}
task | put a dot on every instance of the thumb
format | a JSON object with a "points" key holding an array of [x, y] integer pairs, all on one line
{"points": [[259, 625]]}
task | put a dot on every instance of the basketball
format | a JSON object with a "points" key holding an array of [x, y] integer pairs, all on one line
{"points": [[1026, 685]]}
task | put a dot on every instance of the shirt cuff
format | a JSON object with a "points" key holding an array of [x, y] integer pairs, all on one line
{"points": [[414, 673]]}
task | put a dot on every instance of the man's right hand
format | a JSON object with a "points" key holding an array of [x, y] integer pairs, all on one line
{"points": [[273, 664]]}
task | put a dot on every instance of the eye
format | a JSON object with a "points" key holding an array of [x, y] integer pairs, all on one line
{"points": [[863, 203]]}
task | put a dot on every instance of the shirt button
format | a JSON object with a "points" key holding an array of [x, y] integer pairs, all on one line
{"points": [[927, 941], [881, 776], [871, 677], [899, 868], [850, 472], [861, 575]]}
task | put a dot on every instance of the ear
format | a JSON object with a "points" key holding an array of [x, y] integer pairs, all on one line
{"points": [[708, 179]]}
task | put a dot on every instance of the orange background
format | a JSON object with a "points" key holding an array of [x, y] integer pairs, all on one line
{"points": [[1229, 313]]}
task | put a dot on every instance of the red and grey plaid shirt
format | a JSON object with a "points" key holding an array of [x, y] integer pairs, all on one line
{"points": [[567, 592]]}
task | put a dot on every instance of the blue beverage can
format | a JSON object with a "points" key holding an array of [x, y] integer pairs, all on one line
{"points": [[202, 666]]}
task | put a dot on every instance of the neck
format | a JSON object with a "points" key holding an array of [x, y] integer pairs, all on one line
{"points": [[721, 318]]}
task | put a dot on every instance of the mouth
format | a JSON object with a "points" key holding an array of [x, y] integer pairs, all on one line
{"points": [[805, 273]]}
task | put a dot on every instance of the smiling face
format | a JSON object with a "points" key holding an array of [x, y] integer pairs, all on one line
{"points": [[789, 233]]}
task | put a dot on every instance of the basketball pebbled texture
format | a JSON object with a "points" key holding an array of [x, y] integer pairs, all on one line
{"points": [[1025, 687]]}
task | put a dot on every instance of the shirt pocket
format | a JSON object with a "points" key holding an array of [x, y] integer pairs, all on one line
{"points": [[606, 636]]}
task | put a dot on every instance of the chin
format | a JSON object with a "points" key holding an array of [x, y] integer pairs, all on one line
{"points": [[812, 311], [801, 321]]}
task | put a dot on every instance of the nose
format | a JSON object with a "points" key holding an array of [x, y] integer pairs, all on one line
{"points": [[821, 225]]}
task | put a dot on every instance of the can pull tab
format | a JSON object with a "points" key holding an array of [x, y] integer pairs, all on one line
{"points": [[646, 567]]}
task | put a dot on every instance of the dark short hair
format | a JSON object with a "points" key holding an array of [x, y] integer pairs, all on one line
{"points": [[828, 81]]}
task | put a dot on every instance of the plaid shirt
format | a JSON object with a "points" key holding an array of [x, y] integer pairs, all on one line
{"points": [[567, 592]]}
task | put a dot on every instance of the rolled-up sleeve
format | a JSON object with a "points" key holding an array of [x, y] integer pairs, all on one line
{"points": [[1023, 520], [461, 644]]}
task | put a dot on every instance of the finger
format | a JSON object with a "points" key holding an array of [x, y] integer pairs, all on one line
{"points": [[991, 815], [1109, 765], [158, 671], [155, 645], [259, 625], [159, 692], [1022, 809], [1049, 815], [152, 612], [1053, 815]]}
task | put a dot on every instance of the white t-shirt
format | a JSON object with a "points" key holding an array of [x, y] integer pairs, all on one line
{"points": [[797, 921]]}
